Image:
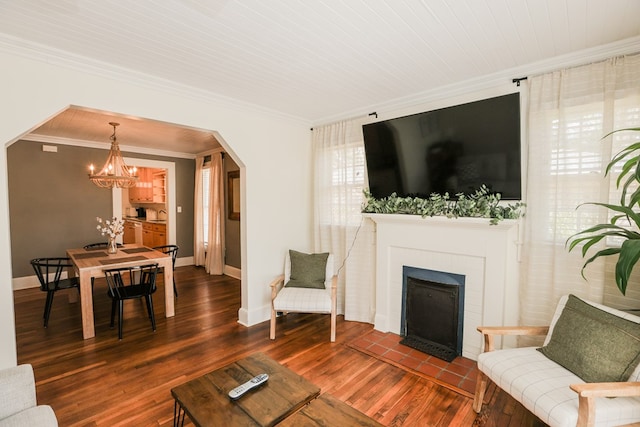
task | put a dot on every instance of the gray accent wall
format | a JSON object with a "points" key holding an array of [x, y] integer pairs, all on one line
{"points": [[53, 206]]}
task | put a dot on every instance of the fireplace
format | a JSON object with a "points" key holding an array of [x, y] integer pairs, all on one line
{"points": [[485, 255], [432, 312]]}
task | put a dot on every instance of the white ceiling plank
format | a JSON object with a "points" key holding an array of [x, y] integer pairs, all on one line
{"points": [[314, 60]]}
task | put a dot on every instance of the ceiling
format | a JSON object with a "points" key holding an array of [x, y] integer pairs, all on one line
{"points": [[312, 60], [92, 128]]}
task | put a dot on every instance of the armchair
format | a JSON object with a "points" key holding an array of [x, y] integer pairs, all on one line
{"points": [[553, 392], [308, 285]]}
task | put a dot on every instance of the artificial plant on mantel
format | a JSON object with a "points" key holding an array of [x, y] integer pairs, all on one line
{"points": [[625, 222], [481, 204]]}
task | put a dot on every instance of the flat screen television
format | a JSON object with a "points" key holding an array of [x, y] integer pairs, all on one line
{"points": [[455, 149]]}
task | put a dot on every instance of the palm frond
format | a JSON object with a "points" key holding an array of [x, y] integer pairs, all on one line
{"points": [[603, 252], [629, 256]]}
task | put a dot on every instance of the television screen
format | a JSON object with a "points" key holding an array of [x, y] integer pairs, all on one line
{"points": [[455, 149]]}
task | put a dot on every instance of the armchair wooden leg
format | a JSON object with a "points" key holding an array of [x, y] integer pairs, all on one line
{"points": [[272, 327], [333, 326], [481, 387], [586, 412]]}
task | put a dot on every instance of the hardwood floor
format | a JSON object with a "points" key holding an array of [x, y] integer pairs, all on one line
{"points": [[106, 382]]}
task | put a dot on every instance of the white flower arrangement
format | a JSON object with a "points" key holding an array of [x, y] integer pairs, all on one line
{"points": [[111, 228]]}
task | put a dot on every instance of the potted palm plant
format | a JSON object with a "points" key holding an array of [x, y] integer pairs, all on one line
{"points": [[625, 222]]}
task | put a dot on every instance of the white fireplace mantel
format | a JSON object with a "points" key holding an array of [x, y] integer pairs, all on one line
{"points": [[487, 255]]}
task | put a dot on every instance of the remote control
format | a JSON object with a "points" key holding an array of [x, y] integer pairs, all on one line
{"points": [[237, 392]]}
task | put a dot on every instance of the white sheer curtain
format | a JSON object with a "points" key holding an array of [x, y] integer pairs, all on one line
{"points": [[569, 112], [339, 179], [209, 250]]}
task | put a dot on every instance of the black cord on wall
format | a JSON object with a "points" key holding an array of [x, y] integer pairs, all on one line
{"points": [[353, 242]]}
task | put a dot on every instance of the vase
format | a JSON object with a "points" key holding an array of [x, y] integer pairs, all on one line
{"points": [[113, 246]]}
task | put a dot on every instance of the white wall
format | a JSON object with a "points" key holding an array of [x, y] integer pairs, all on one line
{"points": [[273, 151]]}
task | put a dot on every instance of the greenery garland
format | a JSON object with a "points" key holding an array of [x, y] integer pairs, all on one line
{"points": [[481, 204]]}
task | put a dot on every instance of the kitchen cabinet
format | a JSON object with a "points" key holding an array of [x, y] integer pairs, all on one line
{"points": [[142, 192], [154, 234], [159, 187], [132, 232], [129, 235], [147, 234], [159, 234]]}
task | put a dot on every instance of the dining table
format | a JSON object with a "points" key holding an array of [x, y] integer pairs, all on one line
{"points": [[91, 262]]}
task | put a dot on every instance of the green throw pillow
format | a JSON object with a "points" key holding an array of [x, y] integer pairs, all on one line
{"points": [[307, 270], [595, 345]]}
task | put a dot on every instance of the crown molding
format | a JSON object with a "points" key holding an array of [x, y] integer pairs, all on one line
{"points": [[105, 146]]}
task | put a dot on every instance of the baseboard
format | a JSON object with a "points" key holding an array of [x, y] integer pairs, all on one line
{"points": [[181, 262], [29, 282], [234, 272], [250, 318]]}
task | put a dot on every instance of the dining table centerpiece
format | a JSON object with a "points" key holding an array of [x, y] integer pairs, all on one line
{"points": [[111, 228]]}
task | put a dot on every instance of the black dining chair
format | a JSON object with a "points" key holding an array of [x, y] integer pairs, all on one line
{"points": [[49, 272], [173, 251], [127, 283], [99, 245]]}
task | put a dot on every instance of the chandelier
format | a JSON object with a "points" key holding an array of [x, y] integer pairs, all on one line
{"points": [[115, 172]]}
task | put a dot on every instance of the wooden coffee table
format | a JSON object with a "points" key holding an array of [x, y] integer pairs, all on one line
{"points": [[205, 401], [326, 410]]}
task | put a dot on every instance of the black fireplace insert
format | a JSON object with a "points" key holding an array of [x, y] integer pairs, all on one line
{"points": [[432, 312]]}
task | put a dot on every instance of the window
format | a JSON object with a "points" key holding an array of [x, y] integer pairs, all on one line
{"points": [[577, 158], [343, 192]]}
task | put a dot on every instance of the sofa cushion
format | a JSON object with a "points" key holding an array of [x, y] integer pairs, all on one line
{"points": [[307, 270], [542, 386], [595, 345], [306, 300], [635, 376]]}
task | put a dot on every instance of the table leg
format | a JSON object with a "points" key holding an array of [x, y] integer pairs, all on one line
{"points": [[86, 302], [73, 296], [168, 289]]}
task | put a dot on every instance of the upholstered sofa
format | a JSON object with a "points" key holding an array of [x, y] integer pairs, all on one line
{"points": [[587, 372], [18, 406]]}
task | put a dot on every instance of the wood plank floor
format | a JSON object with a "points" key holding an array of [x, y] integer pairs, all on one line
{"points": [[106, 382]]}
